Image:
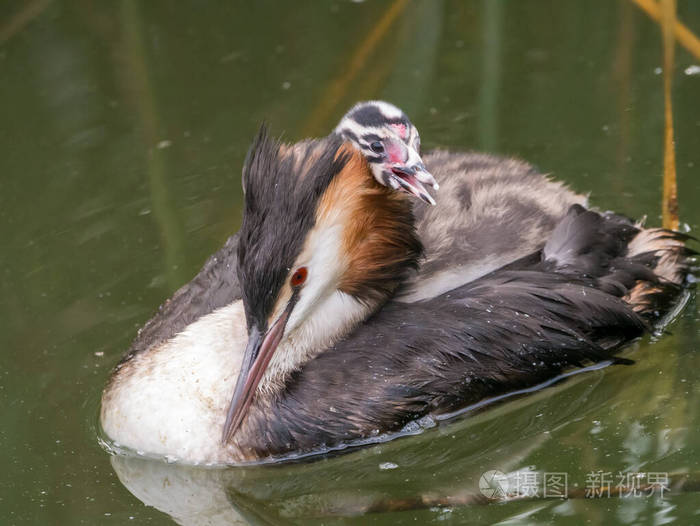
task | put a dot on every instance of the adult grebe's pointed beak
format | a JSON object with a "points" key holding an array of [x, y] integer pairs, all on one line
{"points": [[256, 358], [412, 179]]}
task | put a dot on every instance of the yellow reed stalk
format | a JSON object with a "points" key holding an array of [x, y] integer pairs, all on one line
{"points": [[669, 205], [339, 86], [685, 36]]}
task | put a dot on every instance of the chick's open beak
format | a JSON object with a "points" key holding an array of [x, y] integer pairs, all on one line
{"points": [[407, 171], [412, 180], [256, 358]]}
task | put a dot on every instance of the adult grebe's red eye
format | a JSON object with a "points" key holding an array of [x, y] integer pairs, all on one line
{"points": [[299, 277]]}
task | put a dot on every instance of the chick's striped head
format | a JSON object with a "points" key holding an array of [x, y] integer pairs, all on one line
{"points": [[391, 145]]}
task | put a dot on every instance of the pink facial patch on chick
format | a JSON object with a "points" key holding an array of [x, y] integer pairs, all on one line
{"points": [[401, 130], [396, 152]]}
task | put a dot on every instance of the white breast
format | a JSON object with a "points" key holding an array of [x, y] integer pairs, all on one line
{"points": [[171, 400]]}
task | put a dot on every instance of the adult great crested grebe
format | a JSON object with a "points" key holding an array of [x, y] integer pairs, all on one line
{"points": [[346, 340]]}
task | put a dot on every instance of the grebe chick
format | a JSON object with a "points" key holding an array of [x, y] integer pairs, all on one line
{"points": [[391, 145], [492, 210]]}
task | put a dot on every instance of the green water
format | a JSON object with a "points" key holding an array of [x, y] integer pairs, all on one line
{"points": [[123, 127]]}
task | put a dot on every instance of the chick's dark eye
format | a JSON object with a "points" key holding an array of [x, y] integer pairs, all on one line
{"points": [[299, 277], [377, 147]]}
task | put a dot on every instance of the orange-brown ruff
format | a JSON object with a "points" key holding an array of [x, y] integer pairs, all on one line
{"points": [[351, 361], [379, 239]]}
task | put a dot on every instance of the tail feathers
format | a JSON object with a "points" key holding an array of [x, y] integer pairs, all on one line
{"points": [[666, 253], [645, 267]]}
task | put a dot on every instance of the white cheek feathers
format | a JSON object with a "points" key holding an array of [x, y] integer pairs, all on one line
{"points": [[326, 264], [322, 314]]}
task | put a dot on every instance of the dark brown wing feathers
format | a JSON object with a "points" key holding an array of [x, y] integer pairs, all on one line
{"points": [[559, 308]]}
